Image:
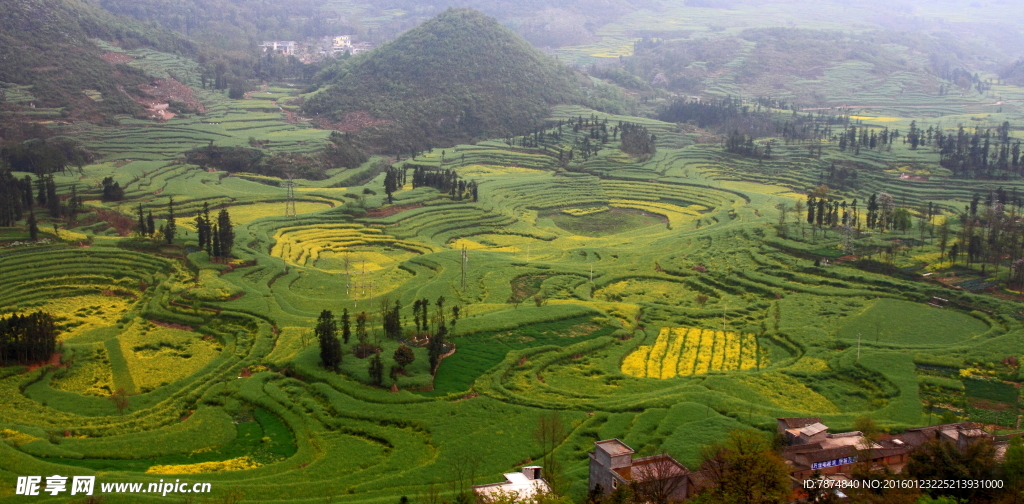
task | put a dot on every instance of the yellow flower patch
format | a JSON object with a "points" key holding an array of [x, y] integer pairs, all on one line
{"points": [[159, 355], [303, 245], [78, 314], [17, 437], [681, 351], [235, 464], [244, 214], [580, 212], [88, 375], [810, 365], [787, 392]]}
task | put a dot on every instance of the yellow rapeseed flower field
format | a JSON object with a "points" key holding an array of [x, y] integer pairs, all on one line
{"points": [[17, 437], [579, 212], [158, 355], [235, 464], [90, 311], [787, 392], [682, 351]]}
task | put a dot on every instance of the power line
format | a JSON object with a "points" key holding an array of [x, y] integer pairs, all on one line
{"points": [[289, 209]]}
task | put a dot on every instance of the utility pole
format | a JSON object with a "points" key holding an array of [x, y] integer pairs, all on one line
{"points": [[858, 347], [591, 273], [527, 252], [289, 208], [465, 261]]}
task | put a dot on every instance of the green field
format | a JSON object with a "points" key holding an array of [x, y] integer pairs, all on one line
{"points": [[904, 323]]}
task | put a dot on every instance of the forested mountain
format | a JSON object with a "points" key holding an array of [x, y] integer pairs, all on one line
{"points": [[456, 77], [46, 44], [238, 25]]}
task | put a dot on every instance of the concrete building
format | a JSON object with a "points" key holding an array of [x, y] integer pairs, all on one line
{"points": [[285, 47], [612, 465], [525, 484]]}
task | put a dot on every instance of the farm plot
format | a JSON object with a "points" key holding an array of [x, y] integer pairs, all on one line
{"points": [[897, 322], [303, 245], [157, 356], [681, 351]]}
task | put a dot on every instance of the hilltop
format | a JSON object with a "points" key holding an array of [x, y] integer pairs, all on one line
{"points": [[454, 78]]}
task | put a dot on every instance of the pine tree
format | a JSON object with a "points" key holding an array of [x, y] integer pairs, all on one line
{"points": [[216, 242], [326, 333], [33, 226], [150, 225], [376, 370], [346, 329], [361, 327], [171, 228], [142, 222], [202, 226], [225, 232]]}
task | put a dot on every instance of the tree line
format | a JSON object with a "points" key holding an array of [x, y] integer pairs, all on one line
{"points": [[444, 180], [26, 339], [340, 152], [19, 198]]}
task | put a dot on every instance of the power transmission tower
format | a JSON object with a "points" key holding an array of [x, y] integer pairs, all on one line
{"points": [[289, 209]]}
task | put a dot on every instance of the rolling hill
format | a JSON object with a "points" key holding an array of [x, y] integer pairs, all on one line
{"points": [[454, 78]]}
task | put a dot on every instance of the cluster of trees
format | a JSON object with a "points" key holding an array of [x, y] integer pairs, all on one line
{"points": [[990, 231], [112, 190], [146, 225], [217, 239], [882, 212], [856, 138], [434, 327], [437, 326], [17, 198], [340, 152], [44, 156], [444, 180], [25, 339], [738, 143], [983, 154], [637, 141], [756, 120], [839, 177], [394, 179]]}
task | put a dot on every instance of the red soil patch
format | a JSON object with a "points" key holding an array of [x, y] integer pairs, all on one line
{"points": [[115, 57], [121, 223], [353, 122], [164, 91], [391, 210], [54, 361]]}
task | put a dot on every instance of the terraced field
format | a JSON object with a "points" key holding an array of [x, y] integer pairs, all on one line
{"points": [[660, 302]]}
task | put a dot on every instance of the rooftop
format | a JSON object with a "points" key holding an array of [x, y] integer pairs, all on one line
{"points": [[614, 447], [516, 482], [813, 429], [799, 422]]}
